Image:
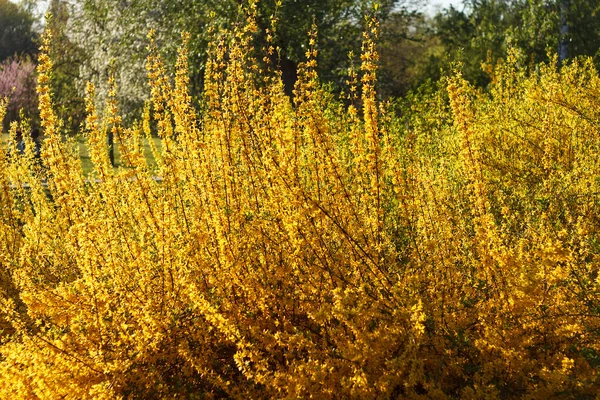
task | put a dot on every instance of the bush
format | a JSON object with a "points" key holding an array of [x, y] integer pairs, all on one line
{"points": [[310, 249]]}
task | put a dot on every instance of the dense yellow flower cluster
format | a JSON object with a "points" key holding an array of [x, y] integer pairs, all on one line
{"points": [[308, 248]]}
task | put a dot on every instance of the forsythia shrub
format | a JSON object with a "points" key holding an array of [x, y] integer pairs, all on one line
{"points": [[308, 248]]}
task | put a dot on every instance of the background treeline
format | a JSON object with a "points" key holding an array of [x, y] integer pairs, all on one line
{"points": [[94, 39]]}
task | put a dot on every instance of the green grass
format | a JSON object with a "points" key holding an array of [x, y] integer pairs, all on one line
{"points": [[86, 162]]}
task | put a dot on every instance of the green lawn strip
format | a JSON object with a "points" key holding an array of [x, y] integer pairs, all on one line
{"points": [[86, 162]]}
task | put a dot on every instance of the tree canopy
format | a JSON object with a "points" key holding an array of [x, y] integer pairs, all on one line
{"points": [[112, 35], [95, 39], [484, 30], [16, 31]]}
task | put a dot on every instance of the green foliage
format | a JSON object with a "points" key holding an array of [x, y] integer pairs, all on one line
{"points": [[16, 33], [407, 48], [339, 25], [476, 34], [483, 31], [68, 58]]}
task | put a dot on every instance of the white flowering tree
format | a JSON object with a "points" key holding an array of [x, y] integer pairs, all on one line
{"points": [[112, 37]]}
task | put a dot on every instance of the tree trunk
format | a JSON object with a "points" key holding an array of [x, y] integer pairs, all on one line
{"points": [[289, 75], [563, 47]]}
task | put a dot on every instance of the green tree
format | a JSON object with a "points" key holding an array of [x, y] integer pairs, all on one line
{"points": [[483, 30], [476, 34], [339, 23], [407, 48], [16, 32], [67, 59], [568, 27]]}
